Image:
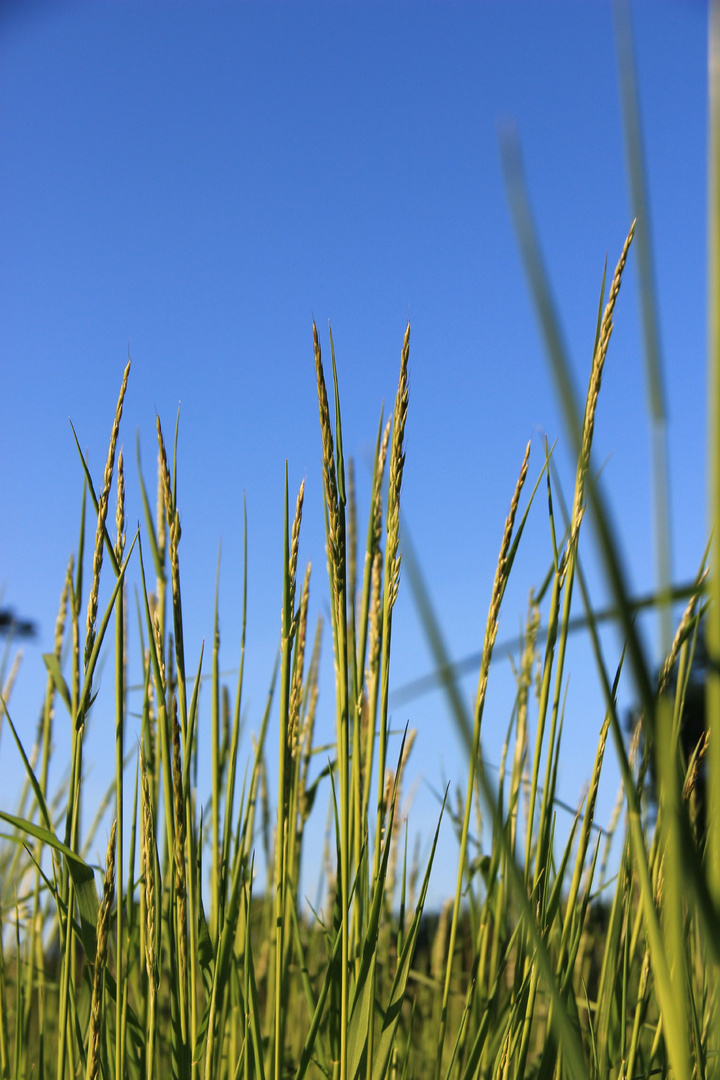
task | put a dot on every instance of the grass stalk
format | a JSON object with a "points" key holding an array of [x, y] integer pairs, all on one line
{"points": [[490, 637]]}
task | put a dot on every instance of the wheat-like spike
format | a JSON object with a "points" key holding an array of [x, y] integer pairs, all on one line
{"points": [[335, 554], [671, 659], [596, 374], [525, 677], [102, 517], [694, 773], [297, 683], [62, 609], [295, 545], [501, 572], [103, 923], [393, 781], [376, 501], [175, 533], [120, 510], [393, 839], [407, 750], [12, 675], [171, 677], [160, 505], [148, 867], [159, 647], [164, 481], [397, 464], [376, 612], [172, 516]]}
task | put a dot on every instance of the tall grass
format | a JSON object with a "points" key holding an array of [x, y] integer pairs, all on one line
{"points": [[537, 965]]}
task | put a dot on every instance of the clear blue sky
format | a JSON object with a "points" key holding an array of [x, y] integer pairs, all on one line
{"points": [[194, 182]]}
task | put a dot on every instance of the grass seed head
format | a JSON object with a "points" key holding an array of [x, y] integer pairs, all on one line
{"points": [[596, 374], [148, 858], [376, 613], [120, 510], [296, 689], [397, 465], [102, 517], [377, 490], [295, 545], [501, 573], [680, 635], [335, 554]]}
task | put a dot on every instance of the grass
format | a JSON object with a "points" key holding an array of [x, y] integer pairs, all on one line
{"points": [[538, 965]]}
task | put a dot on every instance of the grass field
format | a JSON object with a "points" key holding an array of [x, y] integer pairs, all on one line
{"points": [[175, 960]]}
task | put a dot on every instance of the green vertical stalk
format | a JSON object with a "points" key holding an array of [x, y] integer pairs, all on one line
{"points": [[215, 876], [36, 943], [285, 736], [391, 581], [343, 768], [66, 886], [232, 765], [120, 968], [341, 685], [282, 751], [335, 498], [475, 764], [120, 974], [4, 1039]]}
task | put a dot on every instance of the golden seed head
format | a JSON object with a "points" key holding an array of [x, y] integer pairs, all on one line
{"points": [[679, 638], [499, 583], [397, 464], [102, 517], [335, 554], [596, 373], [377, 490], [295, 545], [120, 511]]}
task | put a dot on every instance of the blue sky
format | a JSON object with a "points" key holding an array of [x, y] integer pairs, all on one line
{"points": [[192, 183]]}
